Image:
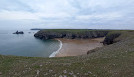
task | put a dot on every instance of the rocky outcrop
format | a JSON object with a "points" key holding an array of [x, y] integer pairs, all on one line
{"points": [[17, 32], [70, 35], [110, 38]]}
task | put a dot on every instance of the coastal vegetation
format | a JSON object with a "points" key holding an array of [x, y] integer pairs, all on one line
{"points": [[115, 59]]}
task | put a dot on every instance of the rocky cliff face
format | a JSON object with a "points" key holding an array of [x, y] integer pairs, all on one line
{"points": [[70, 35], [110, 38]]}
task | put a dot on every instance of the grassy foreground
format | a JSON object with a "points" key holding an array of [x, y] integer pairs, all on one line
{"points": [[115, 60]]}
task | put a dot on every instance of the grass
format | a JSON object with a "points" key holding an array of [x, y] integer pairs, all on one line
{"points": [[75, 31], [115, 60]]}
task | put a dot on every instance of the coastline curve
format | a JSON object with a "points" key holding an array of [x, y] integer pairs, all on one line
{"points": [[54, 53]]}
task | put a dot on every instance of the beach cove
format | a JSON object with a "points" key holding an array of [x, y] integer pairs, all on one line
{"points": [[76, 47], [73, 42]]}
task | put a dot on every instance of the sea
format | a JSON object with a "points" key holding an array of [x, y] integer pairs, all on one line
{"points": [[26, 44]]}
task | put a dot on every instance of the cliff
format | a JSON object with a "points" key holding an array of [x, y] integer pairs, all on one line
{"points": [[110, 38], [70, 34], [110, 35]]}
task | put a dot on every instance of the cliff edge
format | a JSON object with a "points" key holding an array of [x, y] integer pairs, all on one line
{"points": [[70, 34]]}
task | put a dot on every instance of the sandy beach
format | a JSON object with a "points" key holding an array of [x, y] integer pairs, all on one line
{"points": [[75, 47]]}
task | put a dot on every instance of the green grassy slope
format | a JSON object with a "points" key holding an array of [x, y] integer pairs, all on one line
{"points": [[115, 60]]}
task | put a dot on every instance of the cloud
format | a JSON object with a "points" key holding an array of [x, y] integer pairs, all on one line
{"points": [[100, 17], [52, 13], [17, 15]]}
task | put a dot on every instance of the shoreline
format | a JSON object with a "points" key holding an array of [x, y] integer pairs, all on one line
{"points": [[54, 53], [76, 47]]}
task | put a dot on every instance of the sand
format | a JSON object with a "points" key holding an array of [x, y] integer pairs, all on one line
{"points": [[75, 47]]}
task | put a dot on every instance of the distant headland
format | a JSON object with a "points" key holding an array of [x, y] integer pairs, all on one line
{"points": [[36, 29]]}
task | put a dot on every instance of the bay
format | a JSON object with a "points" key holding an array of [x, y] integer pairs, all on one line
{"points": [[26, 44]]}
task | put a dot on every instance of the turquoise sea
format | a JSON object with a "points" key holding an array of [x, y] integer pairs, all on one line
{"points": [[26, 44]]}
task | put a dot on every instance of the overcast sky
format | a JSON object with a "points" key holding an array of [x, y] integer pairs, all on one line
{"points": [[91, 14]]}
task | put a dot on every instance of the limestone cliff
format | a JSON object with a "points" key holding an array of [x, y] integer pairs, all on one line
{"points": [[70, 34]]}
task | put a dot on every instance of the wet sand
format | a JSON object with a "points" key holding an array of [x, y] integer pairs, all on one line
{"points": [[75, 47]]}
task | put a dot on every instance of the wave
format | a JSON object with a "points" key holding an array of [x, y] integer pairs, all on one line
{"points": [[54, 53]]}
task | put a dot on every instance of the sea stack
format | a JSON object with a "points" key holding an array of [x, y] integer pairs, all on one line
{"points": [[17, 32]]}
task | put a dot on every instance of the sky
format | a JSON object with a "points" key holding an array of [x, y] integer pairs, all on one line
{"points": [[70, 14]]}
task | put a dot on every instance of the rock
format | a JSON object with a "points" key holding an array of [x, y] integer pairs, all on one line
{"points": [[41, 65], [110, 38], [0, 73], [38, 72], [65, 71], [90, 51], [17, 32], [50, 70]]}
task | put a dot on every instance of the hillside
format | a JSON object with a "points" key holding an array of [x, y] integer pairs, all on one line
{"points": [[113, 60]]}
